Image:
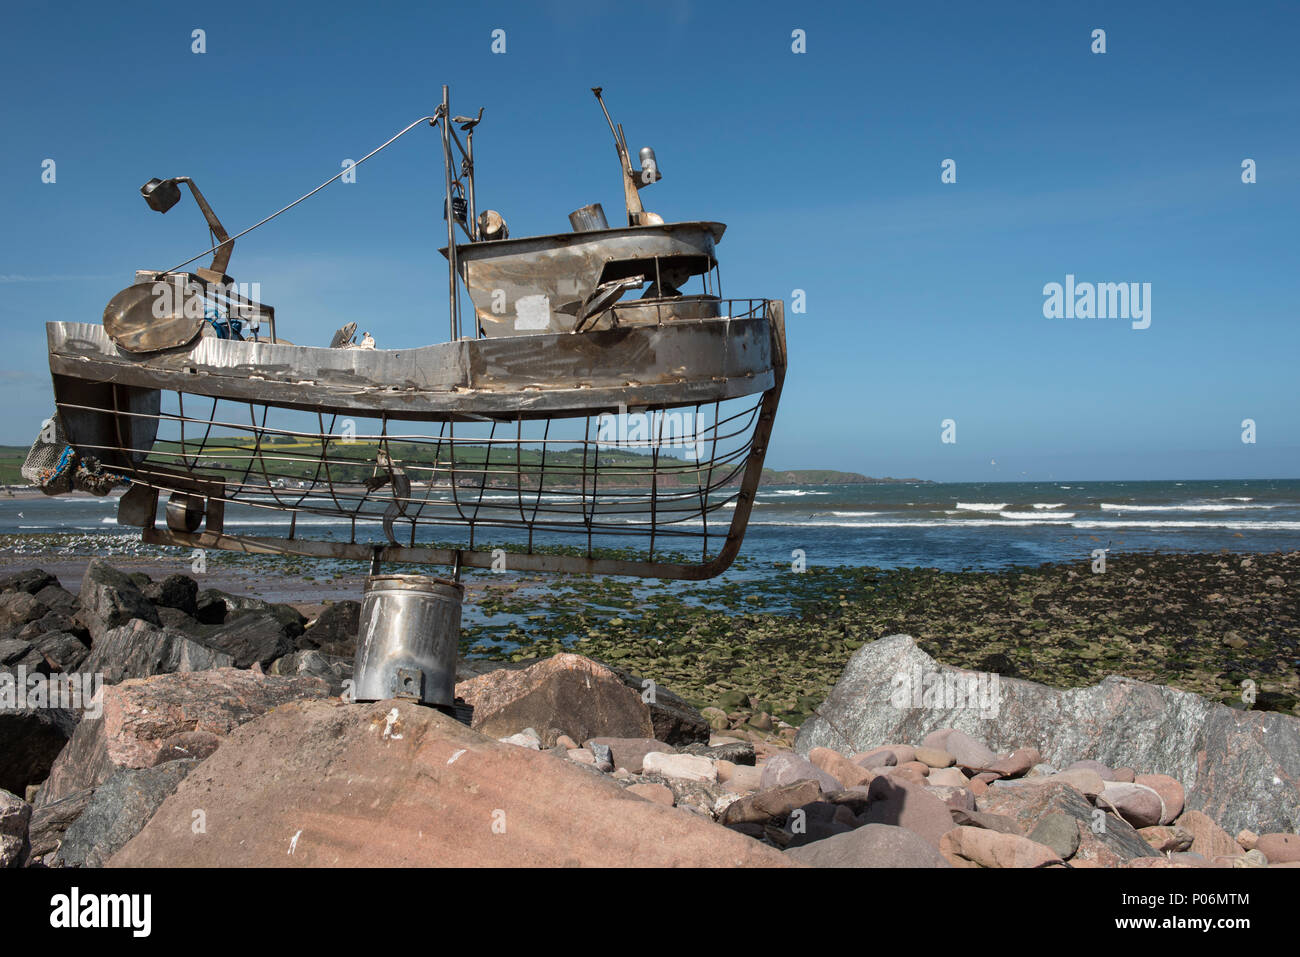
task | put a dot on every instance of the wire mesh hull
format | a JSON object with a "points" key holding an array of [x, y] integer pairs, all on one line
{"points": [[661, 490]]}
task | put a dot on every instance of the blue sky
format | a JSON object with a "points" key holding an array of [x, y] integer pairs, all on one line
{"points": [[924, 299]]}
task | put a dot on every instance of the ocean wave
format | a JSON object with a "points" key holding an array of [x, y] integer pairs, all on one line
{"points": [[1186, 507], [1056, 516], [1048, 504], [981, 506]]}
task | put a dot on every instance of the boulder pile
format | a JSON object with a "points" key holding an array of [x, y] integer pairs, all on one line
{"points": [[219, 738]]}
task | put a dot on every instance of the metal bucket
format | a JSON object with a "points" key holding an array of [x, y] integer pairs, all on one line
{"points": [[588, 219], [408, 639]]}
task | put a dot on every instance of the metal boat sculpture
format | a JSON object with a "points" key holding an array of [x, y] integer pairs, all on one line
{"points": [[507, 444]]}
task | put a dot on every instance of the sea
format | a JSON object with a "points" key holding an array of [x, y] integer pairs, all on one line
{"points": [[949, 526]]}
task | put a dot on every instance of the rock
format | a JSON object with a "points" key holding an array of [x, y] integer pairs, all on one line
{"points": [[17, 608], [49, 824], [979, 847], [1253, 858], [987, 820], [1279, 848], [1135, 803], [524, 740], [334, 631], [839, 767], [31, 581], [116, 812], [256, 637], [968, 752], [110, 599], [771, 806], [1101, 770], [62, 651], [934, 757], [333, 670], [1165, 839], [873, 845], [716, 717], [141, 714], [1087, 782], [630, 752], [1058, 831], [1170, 791], [904, 804], [1125, 775], [210, 607], [30, 741], [737, 752], [880, 758], [58, 598], [139, 649], [392, 784], [1016, 764], [673, 719], [1246, 838], [652, 792], [680, 767], [580, 697], [15, 816], [1238, 767], [947, 777], [1208, 839], [960, 798], [180, 592], [815, 822], [739, 778], [1104, 840], [787, 768], [186, 746]]}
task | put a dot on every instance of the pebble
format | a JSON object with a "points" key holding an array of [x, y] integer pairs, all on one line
{"points": [[1089, 782], [1017, 763], [1135, 803], [1058, 831], [1170, 791], [1247, 839], [680, 767], [947, 777], [1279, 848], [524, 740], [978, 847], [841, 768], [787, 767], [967, 751], [934, 757]]}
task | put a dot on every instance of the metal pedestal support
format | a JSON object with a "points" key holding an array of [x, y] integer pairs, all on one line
{"points": [[408, 641]]}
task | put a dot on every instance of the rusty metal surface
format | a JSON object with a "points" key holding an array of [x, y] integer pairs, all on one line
{"points": [[565, 268], [675, 363]]}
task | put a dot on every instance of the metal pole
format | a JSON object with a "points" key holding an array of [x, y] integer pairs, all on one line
{"points": [[451, 221]]}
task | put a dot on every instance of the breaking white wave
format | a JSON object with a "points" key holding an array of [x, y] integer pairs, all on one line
{"points": [[1048, 504], [981, 506], [1057, 516], [1187, 507]]}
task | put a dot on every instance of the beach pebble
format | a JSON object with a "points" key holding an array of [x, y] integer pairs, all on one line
{"points": [[527, 738], [1016, 764], [841, 768], [1165, 838], [979, 847], [1279, 848], [1139, 805], [1170, 791], [581, 756], [947, 777], [1089, 782], [1208, 839], [934, 757], [967, 751], [1125, 775], [1101, 770], [1247, 839], [680, 767], [787, 768]]}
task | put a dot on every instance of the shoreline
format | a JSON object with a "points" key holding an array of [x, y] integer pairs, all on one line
{"points": [[1202, 622]]}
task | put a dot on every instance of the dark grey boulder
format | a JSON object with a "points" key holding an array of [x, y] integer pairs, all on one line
{"points": [[252, 637], [117, 811], [138, 650], [61, 650], [334, 670], [30, 581], [110, 599], [49, 823], [1239, 767], [675, 720], [58, 598], [17, 608], [175, 591], [334, 631]]}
